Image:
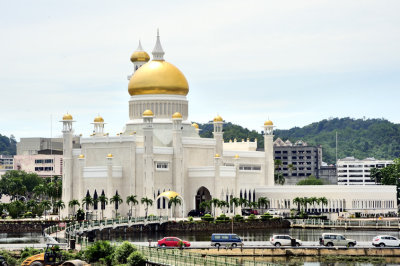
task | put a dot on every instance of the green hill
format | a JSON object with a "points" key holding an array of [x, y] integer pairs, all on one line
{"points": [[8, 146], [360, 138]]}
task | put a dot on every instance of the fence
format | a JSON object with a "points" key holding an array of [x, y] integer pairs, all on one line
{"points": [[168, 256], [378, 224]]}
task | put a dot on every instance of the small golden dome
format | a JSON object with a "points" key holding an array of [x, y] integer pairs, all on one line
{"points": [[148, 113], [218, 119], [109, 155], [237, 156], [217, 155], [268, 123], [81, 156], [67, 117], [176, 115], [158, 77], [140, 56], [196, 126], [98, 119]]}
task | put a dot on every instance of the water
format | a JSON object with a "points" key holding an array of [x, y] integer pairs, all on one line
{"points": [[21, 238]]}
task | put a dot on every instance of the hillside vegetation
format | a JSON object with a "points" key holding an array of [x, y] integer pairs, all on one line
{"points": [[8, 146], [360, 138]]}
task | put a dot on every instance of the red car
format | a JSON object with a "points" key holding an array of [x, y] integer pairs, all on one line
{"points": [[171, 241]]}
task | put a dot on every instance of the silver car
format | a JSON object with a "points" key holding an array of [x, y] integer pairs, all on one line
{"points": [[383, 241], [284, 240]]}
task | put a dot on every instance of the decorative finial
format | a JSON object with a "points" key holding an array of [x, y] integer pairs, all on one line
{"points": [[139, 48], [158, 52]]}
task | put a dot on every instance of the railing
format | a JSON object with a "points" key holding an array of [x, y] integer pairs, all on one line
{"points": [[386, 224], [169, 256]]}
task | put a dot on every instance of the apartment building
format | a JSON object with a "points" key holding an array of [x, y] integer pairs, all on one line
{"points": [[352, 171], [42, 164]]}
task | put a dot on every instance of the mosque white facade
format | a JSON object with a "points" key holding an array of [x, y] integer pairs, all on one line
{"points": [[161, 150]]}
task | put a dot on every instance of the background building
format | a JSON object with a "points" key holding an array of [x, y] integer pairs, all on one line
{"points": [[6, 163], [41, 164], [352, 171], [31, 146]]}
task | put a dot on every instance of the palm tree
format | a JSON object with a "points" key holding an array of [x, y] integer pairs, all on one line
{"points": [[72, 204], [87, 201], [253, 205], [243, 202], [262, 203], [214, 203], [46, 205], [235, 202], [313, 200], [298, 201], [278, 176], [131, 200], [30, 204], [148, 202], [222, 204], [59, 204], [39, 191], [324, 201], [205, 205], [116, 199], [103, 202], [174, 201]]}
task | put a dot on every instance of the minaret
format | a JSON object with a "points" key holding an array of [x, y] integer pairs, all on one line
{"points": [[148, 156], [217, 177], [268, 150], [158, 52], [218, 134], [139, 58], [67, 190], [177, 161], [98, 123]]}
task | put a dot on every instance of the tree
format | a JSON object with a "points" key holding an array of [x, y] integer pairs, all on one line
{"points": [[298, 201], [46, 204], [323, 201], [40, 191], [131, 201], [222, 204], [16, 208], [263, 202], [389, 175], [313, 200], [72, 204], [311, 180], [59, 204], [174, 201], [116, 199], [103, 202], [147, 202], [235, 202], [243, 202], [214, 203], [87, 201], [205, 205]]}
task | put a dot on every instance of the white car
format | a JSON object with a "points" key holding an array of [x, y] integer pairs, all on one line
{"points": [[284, 240], [273, 212], [383, 241]]}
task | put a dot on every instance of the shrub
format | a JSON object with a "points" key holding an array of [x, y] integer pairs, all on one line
{"points": [[100, 251], [208, 218], [190, 219], [122, 252], [11, 261], [266, 216], [251, 217], [28, 215], [222, 219], [238, 218], [136, 259]]}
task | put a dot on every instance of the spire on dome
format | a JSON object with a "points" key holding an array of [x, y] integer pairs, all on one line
{"points": [[139, 48], [158, 52]]}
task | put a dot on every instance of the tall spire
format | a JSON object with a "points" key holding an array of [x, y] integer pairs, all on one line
{"points": [[158, 52], [139, 48]]}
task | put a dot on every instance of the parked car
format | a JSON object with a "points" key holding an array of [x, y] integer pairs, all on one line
{"points": [[273, 212], [171, 241], [247, 212], [232, 240], [383, 241], [196, 213], [332, 239], [284, 240]]}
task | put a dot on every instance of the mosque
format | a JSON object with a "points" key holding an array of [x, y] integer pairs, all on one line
{"points": [[160, 150]]}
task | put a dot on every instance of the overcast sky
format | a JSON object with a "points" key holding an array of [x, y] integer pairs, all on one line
{"points": [[296, 62]]}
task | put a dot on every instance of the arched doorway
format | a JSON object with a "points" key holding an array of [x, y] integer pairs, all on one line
{"points": [[203, 194]]}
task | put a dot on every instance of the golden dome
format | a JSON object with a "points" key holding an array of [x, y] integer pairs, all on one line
{"points": [[109, 155], [196, 126], [217, 155], [177, 115], [98, 119], [67, 117], [268, 123], [218, 119], [148, 113], [158, 77], [140, 56], [81, 156], [237, 156]]}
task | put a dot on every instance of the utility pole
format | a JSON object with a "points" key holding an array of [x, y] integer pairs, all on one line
{"points": [[336, 148]]}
